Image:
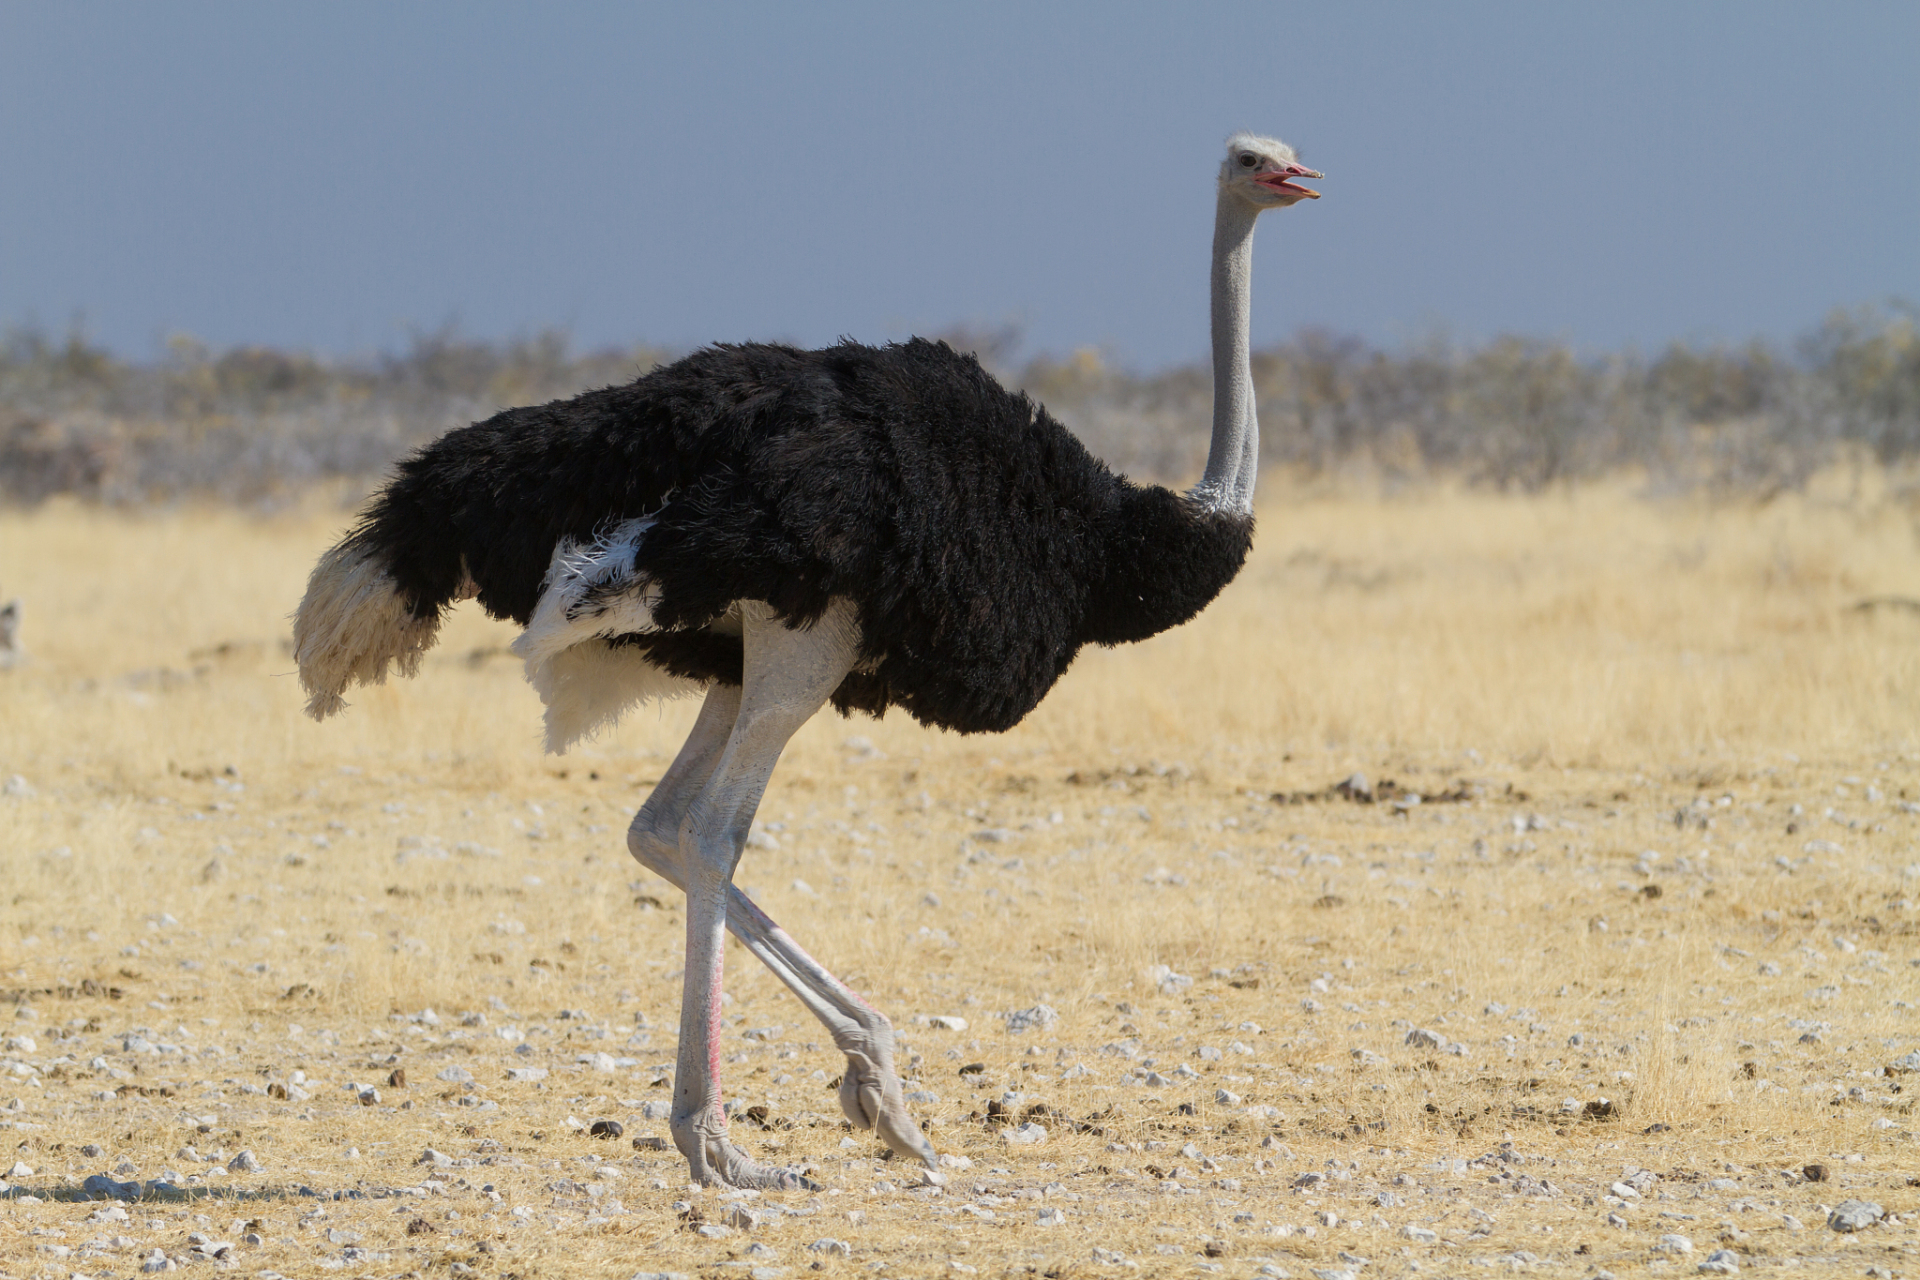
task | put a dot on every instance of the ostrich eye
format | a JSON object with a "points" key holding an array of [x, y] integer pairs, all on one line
{"points": [[1248, 160]]}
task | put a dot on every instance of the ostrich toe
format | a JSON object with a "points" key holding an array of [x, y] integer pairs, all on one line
{"points": [[871, 1098], [712, 1160]]}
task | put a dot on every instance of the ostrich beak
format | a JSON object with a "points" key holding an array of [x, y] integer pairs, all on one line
{"points": [[1278, 181]]}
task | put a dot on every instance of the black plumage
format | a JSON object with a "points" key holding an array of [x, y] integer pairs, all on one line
{"points": [[982, 543]]}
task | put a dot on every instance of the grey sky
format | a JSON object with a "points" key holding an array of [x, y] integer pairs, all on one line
{"points": [[328, 176]]}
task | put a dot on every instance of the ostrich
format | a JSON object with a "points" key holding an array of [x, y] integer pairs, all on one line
{"points": [[870, 527]]}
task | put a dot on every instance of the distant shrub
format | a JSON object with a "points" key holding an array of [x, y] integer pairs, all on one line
{"points": [[1523, 413], [255, 424]]}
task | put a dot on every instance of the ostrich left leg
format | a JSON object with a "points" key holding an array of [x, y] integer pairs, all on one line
{"points": [[870, 1091], [788, 676]]}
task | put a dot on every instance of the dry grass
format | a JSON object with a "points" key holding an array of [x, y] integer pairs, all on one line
{"points": [[1625, 905]]}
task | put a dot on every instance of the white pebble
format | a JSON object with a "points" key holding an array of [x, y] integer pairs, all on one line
{"points": [[1855, 1215], [1039, 1017]]}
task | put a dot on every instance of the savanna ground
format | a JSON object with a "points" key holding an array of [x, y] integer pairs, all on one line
{"points": [[1642, 952]]}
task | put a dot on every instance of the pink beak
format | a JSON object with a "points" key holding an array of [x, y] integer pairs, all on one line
{"points": [[1277, 180]]}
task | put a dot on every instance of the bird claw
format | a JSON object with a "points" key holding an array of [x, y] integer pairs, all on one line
{"points": [[729, 1166], [871, 1098]]}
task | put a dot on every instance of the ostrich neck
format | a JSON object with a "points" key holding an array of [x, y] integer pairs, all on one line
{"points": [[1233, 457]]}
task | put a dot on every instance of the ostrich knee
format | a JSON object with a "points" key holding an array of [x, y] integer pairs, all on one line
{"points": [[656, 852]]}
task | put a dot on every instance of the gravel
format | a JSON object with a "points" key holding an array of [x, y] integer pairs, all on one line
{"points": [[100, 1184], [1037, 1018], [1277, 1066], [744, 1217], [1855, 1215]]}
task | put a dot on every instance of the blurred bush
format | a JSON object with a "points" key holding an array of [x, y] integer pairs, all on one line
{"points": [[260, 426], [1526, 414], [255, 424]]}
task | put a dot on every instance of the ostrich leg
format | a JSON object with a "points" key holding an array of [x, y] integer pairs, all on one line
{"points": [[870, 1092], [788, 676]]}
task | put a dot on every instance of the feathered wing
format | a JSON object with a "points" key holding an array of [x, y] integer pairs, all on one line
{"points": [[592, 595]]}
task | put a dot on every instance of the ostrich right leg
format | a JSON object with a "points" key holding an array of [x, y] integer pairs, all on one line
{"points": [[870, 1092], [788, 675]]}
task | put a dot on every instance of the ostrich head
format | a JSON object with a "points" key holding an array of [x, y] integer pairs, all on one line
{"points": [[1258, 170]]}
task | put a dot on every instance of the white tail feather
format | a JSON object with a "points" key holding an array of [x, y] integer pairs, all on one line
{"points": [[352, 623]]}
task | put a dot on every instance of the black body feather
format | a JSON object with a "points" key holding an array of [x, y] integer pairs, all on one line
{"points": [[980, 541]]}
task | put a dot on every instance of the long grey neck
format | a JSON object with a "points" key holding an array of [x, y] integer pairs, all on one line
{"points": [[1233, 458]]}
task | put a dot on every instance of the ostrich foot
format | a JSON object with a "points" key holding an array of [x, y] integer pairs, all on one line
{"points": [[714, 1161], [871, 1098]]}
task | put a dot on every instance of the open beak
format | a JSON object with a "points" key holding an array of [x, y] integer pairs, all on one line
{"points": [[1278, 180]]}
